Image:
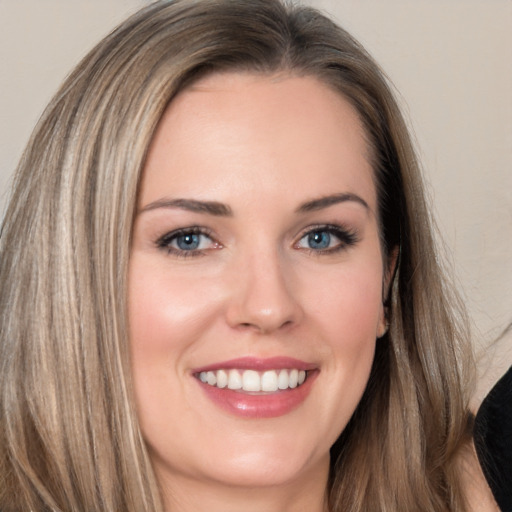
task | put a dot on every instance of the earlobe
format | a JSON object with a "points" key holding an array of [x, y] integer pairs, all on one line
{"points": [[384, 322]]}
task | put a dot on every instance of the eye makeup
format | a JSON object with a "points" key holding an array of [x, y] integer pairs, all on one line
{"points": [[318, 239], [327, 239], [188, 242]]}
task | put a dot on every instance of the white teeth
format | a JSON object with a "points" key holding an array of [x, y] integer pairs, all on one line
{"points": [[222, 379], [283, 380], [252, 381], [234, 380], [294, 377], [269, 381]]}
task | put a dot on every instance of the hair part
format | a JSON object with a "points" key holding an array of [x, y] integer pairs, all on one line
{"points": [[69, 438]]}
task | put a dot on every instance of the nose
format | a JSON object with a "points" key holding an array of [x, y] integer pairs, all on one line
{"points": [[263, 297]]}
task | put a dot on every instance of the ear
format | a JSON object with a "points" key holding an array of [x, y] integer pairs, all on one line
{"points": [[389, 274]]}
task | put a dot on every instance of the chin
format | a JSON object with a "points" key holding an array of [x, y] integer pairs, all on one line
{"points": [[257, 471], [267, 460]]}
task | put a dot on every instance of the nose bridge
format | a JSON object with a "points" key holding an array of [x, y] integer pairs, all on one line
{"points": [[263, 299]]}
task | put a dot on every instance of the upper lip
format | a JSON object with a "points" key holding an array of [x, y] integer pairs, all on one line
{"points": [[258, 364]]}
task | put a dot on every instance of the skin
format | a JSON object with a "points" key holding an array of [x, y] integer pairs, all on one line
{"points": [[262, 146]]}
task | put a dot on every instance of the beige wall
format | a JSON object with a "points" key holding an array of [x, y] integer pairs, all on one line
{"points": [[450, 60]]}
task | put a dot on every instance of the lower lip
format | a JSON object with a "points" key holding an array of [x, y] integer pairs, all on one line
{"points": [[269, 405]]}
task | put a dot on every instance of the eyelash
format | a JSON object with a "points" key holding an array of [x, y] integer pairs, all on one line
{"points": [[346, 236], [165, 241]]}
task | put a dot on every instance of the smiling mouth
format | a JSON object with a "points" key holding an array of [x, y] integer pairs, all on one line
{"points": [[252, 381]]}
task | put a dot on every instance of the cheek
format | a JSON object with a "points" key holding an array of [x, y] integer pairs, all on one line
{"points": [[347, 315], [349, 306], [164, 308], [166, 318]]}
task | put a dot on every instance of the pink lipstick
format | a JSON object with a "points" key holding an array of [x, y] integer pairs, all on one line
{"points": [[257, 387]]}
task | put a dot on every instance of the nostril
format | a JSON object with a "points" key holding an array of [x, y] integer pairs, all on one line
{"points": [[264, 328]]}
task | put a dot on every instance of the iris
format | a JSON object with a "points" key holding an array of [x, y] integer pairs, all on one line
{"points": [[188, 241], [319, 240]]}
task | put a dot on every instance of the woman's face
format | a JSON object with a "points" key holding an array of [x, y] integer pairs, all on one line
{"points": [[255, 282]]}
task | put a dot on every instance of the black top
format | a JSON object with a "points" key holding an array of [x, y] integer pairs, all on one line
{"points": [[493, 440]]}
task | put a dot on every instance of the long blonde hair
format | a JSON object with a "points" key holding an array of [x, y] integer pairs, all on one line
{"points": [[69, 438]]}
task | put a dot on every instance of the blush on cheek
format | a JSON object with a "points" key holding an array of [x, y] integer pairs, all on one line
{"points": [[155, 307], [354, 305]]}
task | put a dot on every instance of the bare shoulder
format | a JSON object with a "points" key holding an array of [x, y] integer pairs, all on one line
{"points": [[478, 493]]}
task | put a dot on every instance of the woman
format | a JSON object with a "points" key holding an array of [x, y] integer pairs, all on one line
{"points": [[219, 282]]}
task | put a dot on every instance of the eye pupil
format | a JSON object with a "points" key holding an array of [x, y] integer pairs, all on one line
{"points": [[319, 240], [187, 242]]}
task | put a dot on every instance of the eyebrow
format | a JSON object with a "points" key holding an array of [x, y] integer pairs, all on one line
{"points": [[222, 210], [326, 201], [192, 205]]}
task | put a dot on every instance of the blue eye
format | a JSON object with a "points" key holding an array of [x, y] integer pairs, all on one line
{"points": [[187, 242], [327, 239], [319, 240]]}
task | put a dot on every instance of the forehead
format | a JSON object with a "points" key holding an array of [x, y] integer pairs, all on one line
{"points": [[266, 133]]}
